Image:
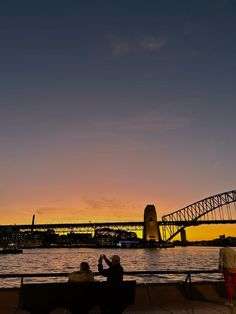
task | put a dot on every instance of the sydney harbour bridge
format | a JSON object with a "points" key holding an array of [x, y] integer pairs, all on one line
{"points": [[216, 209]]}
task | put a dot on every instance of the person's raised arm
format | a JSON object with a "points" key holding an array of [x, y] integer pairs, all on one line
{"points": [[109, 263], [103, 272]]}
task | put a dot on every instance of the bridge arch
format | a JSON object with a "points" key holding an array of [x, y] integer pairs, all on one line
{"points": [[190, 215]]}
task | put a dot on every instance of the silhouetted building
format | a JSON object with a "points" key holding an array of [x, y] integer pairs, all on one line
{"points": [[151, 230]]}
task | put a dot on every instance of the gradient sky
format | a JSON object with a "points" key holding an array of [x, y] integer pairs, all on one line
{"points": [[106, 106]]}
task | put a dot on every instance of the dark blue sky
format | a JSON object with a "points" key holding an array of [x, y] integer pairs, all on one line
{"points": [[115, 103]]}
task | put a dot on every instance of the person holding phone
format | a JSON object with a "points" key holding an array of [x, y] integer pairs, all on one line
{"points": [[114, 272]]}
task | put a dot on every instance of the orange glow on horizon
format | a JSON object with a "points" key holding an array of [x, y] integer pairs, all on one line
{"points": [[203, 232]]}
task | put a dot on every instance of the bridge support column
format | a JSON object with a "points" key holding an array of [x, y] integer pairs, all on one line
{"points": [[151, 229], [183, 237]]}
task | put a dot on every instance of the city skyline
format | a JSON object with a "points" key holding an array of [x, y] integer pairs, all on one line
{"points": [[108, 106]]}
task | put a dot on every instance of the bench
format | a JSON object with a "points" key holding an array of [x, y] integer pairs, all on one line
{"points": [[78, 297]]}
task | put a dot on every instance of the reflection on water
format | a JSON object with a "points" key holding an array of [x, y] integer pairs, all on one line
{"points": [[68, 259]]}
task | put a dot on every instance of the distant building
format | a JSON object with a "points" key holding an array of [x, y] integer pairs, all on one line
{"points": [[116, 234], [151, 229]]}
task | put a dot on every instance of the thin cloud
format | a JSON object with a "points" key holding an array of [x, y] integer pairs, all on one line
{"points": [[48, 210], [120, 48], [152, 43], [108, 207], [104, 203], [153, 120]]}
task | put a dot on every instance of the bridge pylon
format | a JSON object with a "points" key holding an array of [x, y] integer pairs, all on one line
{"points": [[151, 229]]}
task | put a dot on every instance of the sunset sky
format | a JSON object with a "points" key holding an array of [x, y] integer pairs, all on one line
{"points": [[107, 106]]}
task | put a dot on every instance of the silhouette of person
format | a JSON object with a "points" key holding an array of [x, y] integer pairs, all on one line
{"points": [[227, 264], [84, 274], [114, 272]]}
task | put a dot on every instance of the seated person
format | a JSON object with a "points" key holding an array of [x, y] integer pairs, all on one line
{"points": [[115, 271], [84, 274]]}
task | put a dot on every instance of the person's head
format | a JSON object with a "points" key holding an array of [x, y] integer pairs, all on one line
{"points": [[84, 266], [226, 242], [115, 259]]}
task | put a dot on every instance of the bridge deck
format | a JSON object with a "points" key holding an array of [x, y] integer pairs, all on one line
{"points": [[138, 224]]}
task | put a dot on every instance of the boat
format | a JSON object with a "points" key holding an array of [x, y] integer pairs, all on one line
{"points": [[11, 250]]}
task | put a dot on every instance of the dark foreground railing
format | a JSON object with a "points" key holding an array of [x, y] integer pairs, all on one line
{"points": [[142, 273], [185, 284]]}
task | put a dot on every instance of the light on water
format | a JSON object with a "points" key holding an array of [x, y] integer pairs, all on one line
{"points": [[68, 260]]}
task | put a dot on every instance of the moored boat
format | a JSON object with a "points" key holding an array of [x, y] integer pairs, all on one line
{"points": [[10, 250]]}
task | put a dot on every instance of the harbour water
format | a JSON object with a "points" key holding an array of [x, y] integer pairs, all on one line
{"points": [[57, 260]]}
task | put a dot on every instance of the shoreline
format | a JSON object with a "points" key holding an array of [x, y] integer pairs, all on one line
{"points": [[97, 247]]}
